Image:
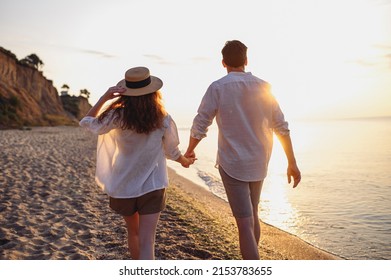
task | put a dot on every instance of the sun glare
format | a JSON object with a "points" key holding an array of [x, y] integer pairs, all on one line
{"points": [[275, 207], [321, 64]]}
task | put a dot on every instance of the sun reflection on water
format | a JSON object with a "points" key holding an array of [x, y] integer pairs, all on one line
{"points": [[275, 207]]}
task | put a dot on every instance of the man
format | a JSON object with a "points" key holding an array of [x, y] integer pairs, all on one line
{"points": [[247, 115]]}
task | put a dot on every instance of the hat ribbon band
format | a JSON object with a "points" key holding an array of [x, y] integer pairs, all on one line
{"points": [[139, 84]]}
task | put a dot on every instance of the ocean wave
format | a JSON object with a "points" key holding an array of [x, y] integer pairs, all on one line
{"points": [[214, 184]]}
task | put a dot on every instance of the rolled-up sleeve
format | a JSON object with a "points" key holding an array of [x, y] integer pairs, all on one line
{"points": [[280, 126], [171, 139], [97, 127], [205, 114]]}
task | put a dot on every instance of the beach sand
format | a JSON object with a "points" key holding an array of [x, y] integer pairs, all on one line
{"points": [[51, 208]]}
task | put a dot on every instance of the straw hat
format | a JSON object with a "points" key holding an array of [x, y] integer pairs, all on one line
{"points": [[138, 81]]}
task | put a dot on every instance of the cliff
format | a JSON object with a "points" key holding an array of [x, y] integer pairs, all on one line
{"points": [[76, 106], [27, 98]]}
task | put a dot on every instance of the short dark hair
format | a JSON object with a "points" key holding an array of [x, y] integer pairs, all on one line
{"points": [[234, 53]]}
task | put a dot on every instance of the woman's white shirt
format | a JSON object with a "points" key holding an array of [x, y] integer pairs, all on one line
{"points": [[131, 164]]}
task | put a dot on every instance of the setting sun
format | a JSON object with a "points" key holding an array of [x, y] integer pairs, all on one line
{"points": [[329, 55]]}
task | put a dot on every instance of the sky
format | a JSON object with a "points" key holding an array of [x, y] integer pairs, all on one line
{"points": [[324, 59]]}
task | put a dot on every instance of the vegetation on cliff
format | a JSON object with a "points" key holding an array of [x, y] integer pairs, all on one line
{"points": [[76, 106], [32, 60], [8, 111]]}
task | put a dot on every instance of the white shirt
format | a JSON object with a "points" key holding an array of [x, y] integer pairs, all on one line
{"points": [[130, 164], [246, 114]]}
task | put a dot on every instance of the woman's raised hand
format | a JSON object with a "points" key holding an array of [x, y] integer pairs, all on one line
{"points": [[113, 92]]}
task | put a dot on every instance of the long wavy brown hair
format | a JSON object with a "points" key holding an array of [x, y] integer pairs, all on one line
{"points": [[142, 114]]}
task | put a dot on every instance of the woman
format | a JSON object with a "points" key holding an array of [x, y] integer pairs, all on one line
{"points": [[136, 135]]}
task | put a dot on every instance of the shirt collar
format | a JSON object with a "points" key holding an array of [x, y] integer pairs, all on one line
{"points": [[239, 73]]}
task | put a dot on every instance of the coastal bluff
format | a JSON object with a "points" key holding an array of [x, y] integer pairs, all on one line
{"points": [[28, 98]]}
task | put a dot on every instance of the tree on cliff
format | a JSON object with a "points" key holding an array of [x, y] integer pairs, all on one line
{"points": [[85, 93], [65, 89], [32, 60]]}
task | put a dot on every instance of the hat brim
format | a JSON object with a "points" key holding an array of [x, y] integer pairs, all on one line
{"points": [[154, 86]]}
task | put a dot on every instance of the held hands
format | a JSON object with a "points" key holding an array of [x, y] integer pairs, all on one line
{"points": [[190, 158], [190, 154], [186, 161]]}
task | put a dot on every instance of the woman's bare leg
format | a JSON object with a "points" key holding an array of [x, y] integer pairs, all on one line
{"points": [[132, 224], [148, 224]]}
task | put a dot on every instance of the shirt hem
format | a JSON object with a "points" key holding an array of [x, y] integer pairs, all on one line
{"points": [[261, 178], [134, 196]]}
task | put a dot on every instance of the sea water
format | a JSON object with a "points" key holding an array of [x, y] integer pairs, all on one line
{"points": [[342, 205]]}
